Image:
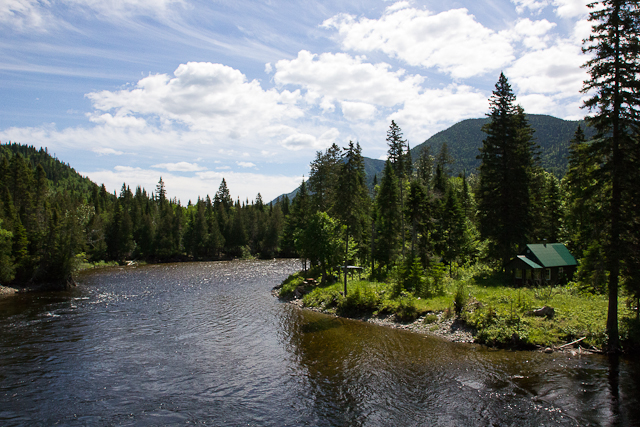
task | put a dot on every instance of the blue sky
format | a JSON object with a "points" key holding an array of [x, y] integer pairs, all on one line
{"points": [[193, 91]]}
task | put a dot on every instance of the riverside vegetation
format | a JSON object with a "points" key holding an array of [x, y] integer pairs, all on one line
{"points": [[497, 314]]}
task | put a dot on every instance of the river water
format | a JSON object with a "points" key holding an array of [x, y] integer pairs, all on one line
{"points": [[207, 344]]}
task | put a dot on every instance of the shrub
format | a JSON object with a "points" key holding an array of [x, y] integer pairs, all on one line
{"points": [[430, 318], [406, 310], [460, 298], [290, 284], [360, 299], [323, 298]]}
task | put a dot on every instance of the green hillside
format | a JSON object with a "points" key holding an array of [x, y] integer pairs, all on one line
{"points": [[464, 140], [61, 175]]}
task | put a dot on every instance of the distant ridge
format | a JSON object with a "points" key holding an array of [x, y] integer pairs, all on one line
{"points": [[464, 140]]}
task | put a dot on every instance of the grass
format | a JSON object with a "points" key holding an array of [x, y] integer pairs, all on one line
{"points": [[501, 314]]}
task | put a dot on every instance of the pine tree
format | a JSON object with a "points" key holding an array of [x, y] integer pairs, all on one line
{"points": [[614, 78], [505, 175]]}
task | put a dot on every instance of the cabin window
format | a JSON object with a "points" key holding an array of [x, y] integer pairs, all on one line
{"points": [[560, 270], [536, 274], [518, 273], [528, 274], [548, 274]]}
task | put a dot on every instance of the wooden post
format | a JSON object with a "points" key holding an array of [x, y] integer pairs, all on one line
{"points": [[346, 256]]}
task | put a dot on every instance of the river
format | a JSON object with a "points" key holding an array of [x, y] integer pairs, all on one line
{"points": [[207, 344]]}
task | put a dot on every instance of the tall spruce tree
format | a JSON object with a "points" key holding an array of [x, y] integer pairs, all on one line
{"points": [[398, 156], [387, 217], [505, 175], [352, 201], [323, 178], [614, 82]]}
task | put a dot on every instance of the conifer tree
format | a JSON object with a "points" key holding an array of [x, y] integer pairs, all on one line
{"points": [[505, 175], [388, 217], [397, 156], [424, 167], [323, 178], [223, 197], [352, 202], [614, 81], [7, 267]]}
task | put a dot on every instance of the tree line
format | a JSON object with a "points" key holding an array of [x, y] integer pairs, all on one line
{"points": [[51, 219]]}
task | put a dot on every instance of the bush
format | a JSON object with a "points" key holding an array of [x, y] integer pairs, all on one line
{"points": [[360, 299], [406, 310], [460, 298], [290, 284], [324, 299], [430, 318]]}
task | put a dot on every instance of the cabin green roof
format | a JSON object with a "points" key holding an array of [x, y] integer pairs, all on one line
{"points": [[550, 255], [529, 262]]}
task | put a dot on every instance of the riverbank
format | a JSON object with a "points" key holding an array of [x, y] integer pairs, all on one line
{"points": [[6, 291], [474, 310]]}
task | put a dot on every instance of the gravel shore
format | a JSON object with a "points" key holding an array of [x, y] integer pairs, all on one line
{"points": [[6, 291], [450, 328]]}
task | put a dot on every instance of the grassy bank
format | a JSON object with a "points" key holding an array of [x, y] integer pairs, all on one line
{"points": [[502, 315]]}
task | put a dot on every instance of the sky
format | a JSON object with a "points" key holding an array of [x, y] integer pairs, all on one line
{"points": [[128, 91]]}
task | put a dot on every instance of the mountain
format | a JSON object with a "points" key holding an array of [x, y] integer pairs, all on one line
{"points": [[464, 140], [62, 177]]}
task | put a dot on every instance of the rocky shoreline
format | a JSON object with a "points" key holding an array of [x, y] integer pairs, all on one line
{"points": [[60, 285], [5, 291], [450, 328]]}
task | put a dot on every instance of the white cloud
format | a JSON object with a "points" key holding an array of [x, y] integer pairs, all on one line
{"points": [[179, 167], [571, 8], [105, 151], [203, 96], [555, 70], [300, 141], [563, 8], [23, 15], [127, 7], [451, 41], [434, 109], [533, 34], [246, 164], [342, 77], [118, 120], [535, 6], [36, 15], [357, 111]]}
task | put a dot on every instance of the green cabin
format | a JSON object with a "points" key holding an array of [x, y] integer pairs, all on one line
{"points": [[539, 264]]}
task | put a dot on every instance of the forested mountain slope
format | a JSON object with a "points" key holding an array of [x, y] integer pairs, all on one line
{"points": [[61, 175], [464, 140]]}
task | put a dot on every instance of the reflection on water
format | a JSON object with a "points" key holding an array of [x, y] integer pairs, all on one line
{"points": [[206, 343]]}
